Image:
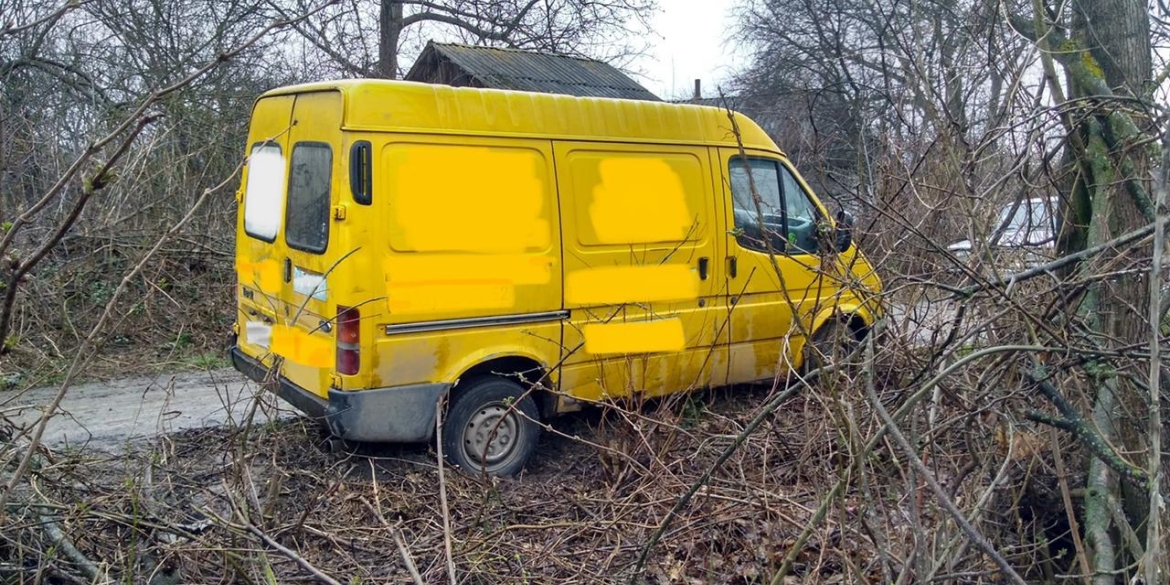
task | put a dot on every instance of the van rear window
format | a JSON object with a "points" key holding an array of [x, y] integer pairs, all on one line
{"points": [[310, 179], [263, 201]]}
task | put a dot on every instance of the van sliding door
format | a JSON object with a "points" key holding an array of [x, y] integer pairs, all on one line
{"points": [[642, 276]]}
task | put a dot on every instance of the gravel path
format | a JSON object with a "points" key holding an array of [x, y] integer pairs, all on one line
{"points": [[104, 415]]}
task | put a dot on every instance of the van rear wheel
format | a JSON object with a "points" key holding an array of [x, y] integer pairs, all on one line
{"points": [[490, 427]]}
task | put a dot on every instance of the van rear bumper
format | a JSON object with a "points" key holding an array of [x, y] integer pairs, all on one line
{"points": [[402, 414]]}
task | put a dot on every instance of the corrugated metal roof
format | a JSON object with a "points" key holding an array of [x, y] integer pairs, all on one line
{"points": [[532, 71]]}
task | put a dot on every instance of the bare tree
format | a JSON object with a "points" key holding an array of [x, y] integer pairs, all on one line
{"points": [[936, 115], [89, 85], [1105, 51], [361, 41], [841, 79]]}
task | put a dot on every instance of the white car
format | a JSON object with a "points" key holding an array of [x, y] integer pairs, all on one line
{"points": [[1024, 236]]}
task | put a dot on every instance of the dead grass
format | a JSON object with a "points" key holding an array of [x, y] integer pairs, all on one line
{"points": [[186, 503], [177, 317]]}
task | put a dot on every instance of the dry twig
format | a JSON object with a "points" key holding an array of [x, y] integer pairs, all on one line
{"points": [[443, 491]]}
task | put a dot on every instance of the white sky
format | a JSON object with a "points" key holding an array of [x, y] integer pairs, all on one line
{"points": [[690, 44]]}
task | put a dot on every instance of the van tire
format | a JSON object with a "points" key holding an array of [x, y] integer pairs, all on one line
{"points": [[483, 405], [829, 345]]}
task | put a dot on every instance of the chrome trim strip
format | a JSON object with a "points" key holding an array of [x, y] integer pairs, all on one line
{"points": [[476, 322]]}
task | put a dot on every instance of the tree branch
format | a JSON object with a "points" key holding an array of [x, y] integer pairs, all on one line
{"points": [[134, 119], [1052, 421], [1063, 261], [1074, 423], [92, 342], [62, 542], [292, 555], [685, 499], [1075, 61], [467, 20], [49, 19], [943, 499], [453, 21]]}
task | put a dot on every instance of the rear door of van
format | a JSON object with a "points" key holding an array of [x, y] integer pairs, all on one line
{"points": [[287, 222], [259, 254], [308, 344]]}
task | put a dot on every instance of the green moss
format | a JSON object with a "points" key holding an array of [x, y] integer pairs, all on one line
{"points": [[1091, 65]]}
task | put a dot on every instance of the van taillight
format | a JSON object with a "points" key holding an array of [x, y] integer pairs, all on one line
{"points": [[349, 355]]}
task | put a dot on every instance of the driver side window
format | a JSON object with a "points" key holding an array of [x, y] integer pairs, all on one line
{"points": [[802, 216], [784, 216]]}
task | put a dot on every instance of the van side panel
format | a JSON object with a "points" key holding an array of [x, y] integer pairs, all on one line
{"points": [[470, 256], [443, 356], [642, 268]]}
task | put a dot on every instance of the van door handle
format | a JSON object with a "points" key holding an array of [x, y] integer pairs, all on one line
{"points": [[732, 266], [703, 262], [288, 269]]}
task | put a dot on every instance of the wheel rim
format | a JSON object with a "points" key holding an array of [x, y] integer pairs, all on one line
{"points": [[842, 348], [479, 435], [830, 346]]}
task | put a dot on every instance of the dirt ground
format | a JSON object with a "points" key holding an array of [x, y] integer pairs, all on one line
{"points": [[190, 506], [186, 479]]}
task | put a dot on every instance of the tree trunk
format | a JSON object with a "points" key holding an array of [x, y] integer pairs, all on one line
{"points": [[1100, 483], [1114, 36], [389, 30], [1117, 34]]}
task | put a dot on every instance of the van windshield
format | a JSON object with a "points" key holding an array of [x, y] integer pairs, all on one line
{"points": [[1032, 215]]}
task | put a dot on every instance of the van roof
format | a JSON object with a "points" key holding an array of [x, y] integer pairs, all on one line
{"points": [[405, 106]]}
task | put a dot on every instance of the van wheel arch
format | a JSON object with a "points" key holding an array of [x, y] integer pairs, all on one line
{"points": [[851, 326], [521, 369], [856, 324]]}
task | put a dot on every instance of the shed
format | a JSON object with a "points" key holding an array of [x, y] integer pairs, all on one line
{"points": [[490, 67]]}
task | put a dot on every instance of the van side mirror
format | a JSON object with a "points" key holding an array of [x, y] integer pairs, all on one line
{"points": [[843, 237]]}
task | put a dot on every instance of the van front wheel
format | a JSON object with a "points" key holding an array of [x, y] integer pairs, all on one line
{"points": [[490, 427], [830, 345]]}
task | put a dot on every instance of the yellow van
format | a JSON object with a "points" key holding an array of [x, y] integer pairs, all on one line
{"points": [[521, 254]]}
